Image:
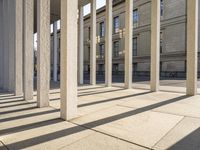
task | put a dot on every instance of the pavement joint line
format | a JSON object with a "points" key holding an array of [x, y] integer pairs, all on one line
{"points": [[75, 141], [4, 145], [161, 112], [169, 131], [97, 111], [110, 135]]}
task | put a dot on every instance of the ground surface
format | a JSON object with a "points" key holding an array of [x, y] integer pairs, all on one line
{"points": [[108, 119]]}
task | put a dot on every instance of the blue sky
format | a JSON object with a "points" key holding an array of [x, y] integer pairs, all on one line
{"points": [[100, 3]]}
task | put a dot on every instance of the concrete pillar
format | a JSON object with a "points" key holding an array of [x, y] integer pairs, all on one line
{"points": [[93, 44], [11, 41], [69, 45], [1, 44], [43, 52], [81, 47], [28, 49], [128, 43], [55, 52], [5, 45], [18, 47], [192, 46], [155, 45], [108, 40]]}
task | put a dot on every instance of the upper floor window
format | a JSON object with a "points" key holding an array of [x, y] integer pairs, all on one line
{"points": [[116, 49], [161, 8], [101, 51], [102, 29], [116, 24], [135, 18], [134, 67], [135, 46], [88, 52], [161, 42], [89, 32]]}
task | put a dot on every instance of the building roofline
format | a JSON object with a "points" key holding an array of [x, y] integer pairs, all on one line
{"points": [[103, 9]]}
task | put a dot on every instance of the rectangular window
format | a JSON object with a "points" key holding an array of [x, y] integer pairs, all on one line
{"points": [[161, 42], [101, 51], [135, 46], [88, 52], [116, 24], [102, 29], [134, 67], [89, 32], [115, 68], [135, 18], [161, 8], [116, 49], [101, 67]]}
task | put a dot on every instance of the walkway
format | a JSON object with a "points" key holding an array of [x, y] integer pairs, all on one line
{"points": [[109, 119]]}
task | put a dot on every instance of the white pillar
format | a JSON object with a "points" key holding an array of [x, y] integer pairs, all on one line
{"points": [[5, 44], [81, 46], [28, 49], [69, 45], [155, 45], [192, 46], [55, 52], [43, 52], [18, 48], [1, 44], [128, 43], [93, 43], [108, 42], [11, 45]]}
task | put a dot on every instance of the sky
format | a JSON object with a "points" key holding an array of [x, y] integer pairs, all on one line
{"points": [[100, 3]]}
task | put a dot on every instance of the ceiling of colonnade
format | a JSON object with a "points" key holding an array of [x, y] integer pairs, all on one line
{"points": [[55, 10]]}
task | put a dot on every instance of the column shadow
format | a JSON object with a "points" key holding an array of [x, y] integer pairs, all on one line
{"points": [[82, 127]]}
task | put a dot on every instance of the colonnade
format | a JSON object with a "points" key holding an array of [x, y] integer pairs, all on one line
{"points": [[192, 45], [16, 49]]}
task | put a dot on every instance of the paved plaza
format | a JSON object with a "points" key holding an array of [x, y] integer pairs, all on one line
{"points": [[108, 119]]}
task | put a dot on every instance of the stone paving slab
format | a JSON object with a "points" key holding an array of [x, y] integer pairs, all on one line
{"points": [[20, 121], [97, 141], [185, 136], [50, 134], [133, 116], [139, 126], [26, 113], [176, 104]]}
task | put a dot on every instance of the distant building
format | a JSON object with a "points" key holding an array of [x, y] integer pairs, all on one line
{"points": [[172, 43]]}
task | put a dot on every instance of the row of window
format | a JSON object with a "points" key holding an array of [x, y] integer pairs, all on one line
{"points": [[102, 27], [116, 48], [116, 21]]}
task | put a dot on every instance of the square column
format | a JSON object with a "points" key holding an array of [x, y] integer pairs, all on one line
{"points": [[43, 52], [18, 48], [1, 44], [5, 45], [11, 44], [28, 49], [155, 45], [81, 47], [192, 46], [69, 45], [55, 52], [108, 40], [128, 43], [93, 41]]}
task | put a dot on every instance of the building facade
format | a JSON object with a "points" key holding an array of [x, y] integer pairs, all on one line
{"points": [[172, 38]]}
